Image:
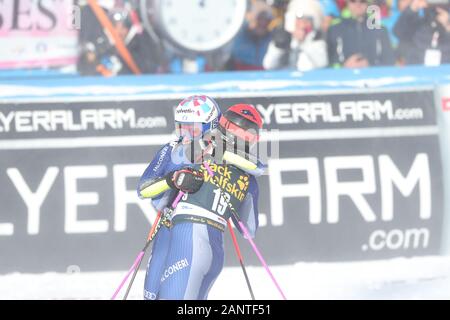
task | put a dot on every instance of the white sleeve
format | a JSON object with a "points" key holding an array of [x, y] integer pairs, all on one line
{"points": [[274, 57], [314, 55]]}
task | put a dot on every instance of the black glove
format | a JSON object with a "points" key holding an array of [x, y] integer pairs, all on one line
{"points": [[187, 180], [282, 39]]}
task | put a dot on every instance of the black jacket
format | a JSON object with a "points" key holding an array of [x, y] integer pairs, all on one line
{"points": [[349, 37], [416, 33]]}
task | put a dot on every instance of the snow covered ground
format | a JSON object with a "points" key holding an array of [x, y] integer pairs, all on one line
{"points": [[417, 278]]}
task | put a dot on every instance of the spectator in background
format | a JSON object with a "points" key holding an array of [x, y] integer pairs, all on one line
{"points": [[402, 5], [352, 44], [395, 10], [98, 54], [299, 45], [424, 39], [384, 6], [341, 4], [250, 45], [279, 8], [331, 11]]}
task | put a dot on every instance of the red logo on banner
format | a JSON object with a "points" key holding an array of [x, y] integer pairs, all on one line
{"points": [[446, 104]]}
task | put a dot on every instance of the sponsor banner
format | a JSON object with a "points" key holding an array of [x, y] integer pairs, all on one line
{"points": [[367, 186], [86, 119], [38, 33], [370, 110], [353, 199], [358, 177]]}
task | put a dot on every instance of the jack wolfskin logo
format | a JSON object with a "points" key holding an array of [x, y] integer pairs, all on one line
{"points": [[243, 183]]}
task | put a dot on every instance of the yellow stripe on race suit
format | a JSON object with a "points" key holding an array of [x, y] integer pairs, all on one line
{"points": [[239, 161], [155, 189]]}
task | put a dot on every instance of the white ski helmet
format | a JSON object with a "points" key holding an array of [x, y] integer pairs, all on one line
{"points": [[195, 116], [303, 9]]}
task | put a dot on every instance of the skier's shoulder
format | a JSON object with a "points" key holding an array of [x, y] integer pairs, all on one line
{"points": [[248, 163], [168, 147], [253, 173], [164, 153], [258, 171]]}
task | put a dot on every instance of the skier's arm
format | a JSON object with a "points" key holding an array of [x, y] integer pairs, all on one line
{"points": [[187, 180], [153, 188], [248, 166], [153, 182]]}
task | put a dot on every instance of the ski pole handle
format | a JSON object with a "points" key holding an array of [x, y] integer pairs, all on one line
{"points": [[177, 199]]}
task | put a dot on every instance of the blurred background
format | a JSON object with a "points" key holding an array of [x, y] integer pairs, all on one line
{"points": [[355, 96]]}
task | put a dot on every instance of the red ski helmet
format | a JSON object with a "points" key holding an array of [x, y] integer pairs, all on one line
{"points": [[242, 121]]}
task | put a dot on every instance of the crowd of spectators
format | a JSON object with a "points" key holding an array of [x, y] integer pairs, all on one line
{"points": [[289, 34]]}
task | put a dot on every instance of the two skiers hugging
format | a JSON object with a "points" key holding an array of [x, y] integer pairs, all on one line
{"points": [[198, 183]]}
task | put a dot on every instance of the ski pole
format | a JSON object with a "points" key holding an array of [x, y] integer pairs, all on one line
{"points": [[241, 261], [138, 259], [150, 238], [259, 255], [252, 243]]}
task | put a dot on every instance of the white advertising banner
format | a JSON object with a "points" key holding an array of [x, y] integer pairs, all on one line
{"points": [[38, 33]]}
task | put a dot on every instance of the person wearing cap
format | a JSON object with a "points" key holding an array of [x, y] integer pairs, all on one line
{"points": [[355, 43], [250, 45], [299, 44]]}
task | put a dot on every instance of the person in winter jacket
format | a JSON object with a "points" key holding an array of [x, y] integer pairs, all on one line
{"points": [[424, 33], [355, 43], [299, 45], [396, 9], [250, 45]]}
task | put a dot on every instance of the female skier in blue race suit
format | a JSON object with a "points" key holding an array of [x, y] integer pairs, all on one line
{"points": [[188, 254]]}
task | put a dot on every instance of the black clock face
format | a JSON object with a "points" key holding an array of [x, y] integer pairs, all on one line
{"points": [[199, 25]]}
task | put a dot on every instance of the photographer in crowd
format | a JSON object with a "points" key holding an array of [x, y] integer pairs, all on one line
{"points": [[299, 43], [98, 52], [424, 32]]}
